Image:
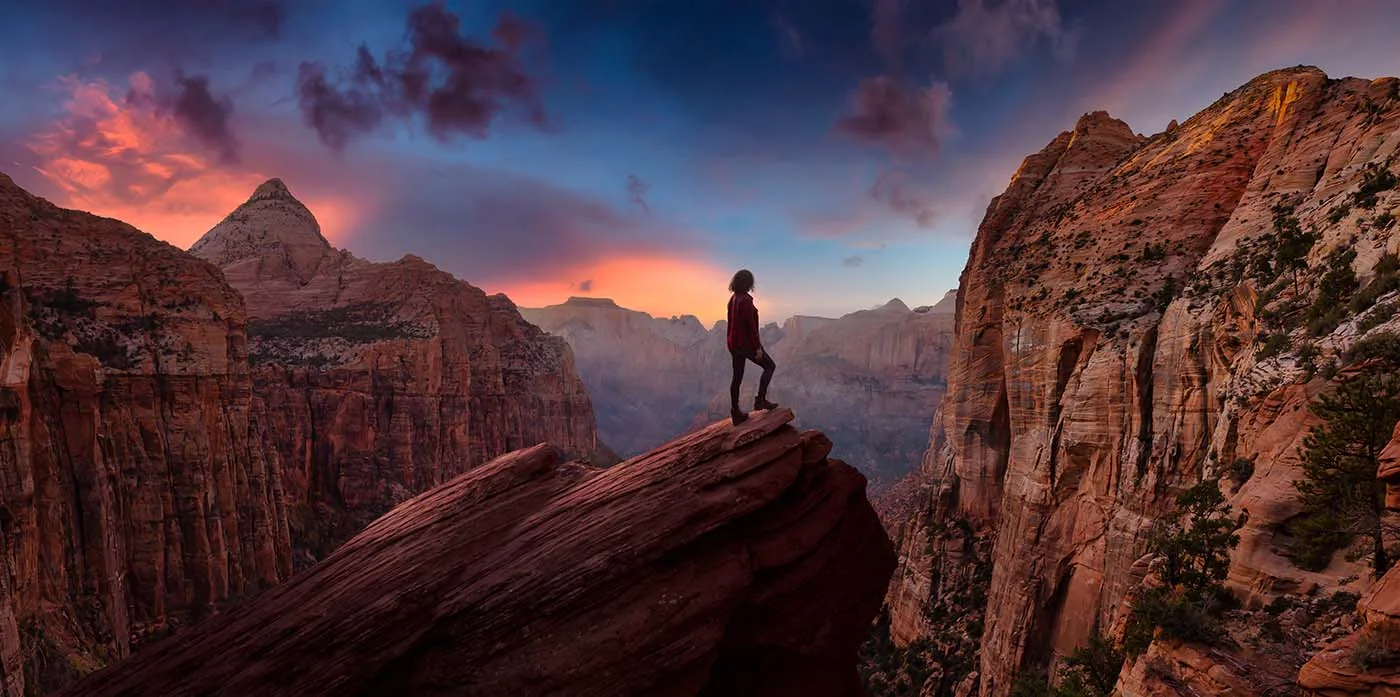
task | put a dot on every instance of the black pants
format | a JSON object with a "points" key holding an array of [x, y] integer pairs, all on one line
{"points": [[739, 360]]}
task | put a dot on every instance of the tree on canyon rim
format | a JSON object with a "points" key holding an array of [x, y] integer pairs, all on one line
{"points": [[1193, 542], [1341, 497]]}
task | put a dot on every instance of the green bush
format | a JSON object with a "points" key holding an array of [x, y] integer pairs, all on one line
{"points": [[1381, 347], [1370, 653], [1337, 286], [1376, 317], [1386, 280], [1240, 470], [1091, 671], [1377, 178], [1194, 542], [1274, 344]]}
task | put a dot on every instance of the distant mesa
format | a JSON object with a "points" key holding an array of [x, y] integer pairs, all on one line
{"points": [[583, 301]]}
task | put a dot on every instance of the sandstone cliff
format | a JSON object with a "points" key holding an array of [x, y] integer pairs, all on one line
{"points": [[1114, 346], [734, 561], [870, 378], [135, 490], [382, 380], [1367, 662]]}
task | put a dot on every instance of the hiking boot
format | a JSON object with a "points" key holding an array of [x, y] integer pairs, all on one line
{"points": [[762, 404], [737, 416]]}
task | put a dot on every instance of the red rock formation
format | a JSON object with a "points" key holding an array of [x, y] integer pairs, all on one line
{"points": [[1368, 661], [1106, 357], [382, 380], [734, 561], [135, 491]]}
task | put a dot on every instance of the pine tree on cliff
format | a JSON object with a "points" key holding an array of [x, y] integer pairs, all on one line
{"points": [[1341, 496]]}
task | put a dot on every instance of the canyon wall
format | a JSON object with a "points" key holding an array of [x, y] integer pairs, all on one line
{"points": [[136, 493], [1110, 351], [382, 380], [732, 561]]}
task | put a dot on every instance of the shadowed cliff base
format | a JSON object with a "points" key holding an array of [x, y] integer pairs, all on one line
{"points": [[734, 561]]}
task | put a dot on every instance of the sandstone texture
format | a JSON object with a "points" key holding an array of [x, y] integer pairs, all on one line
{"points": [[1108, 354], [382, 380], [136, 491], [870, 379], [1366, 662], [733, 561]]}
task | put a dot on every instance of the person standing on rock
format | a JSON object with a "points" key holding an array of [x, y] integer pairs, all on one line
{"points": [[744, 346]]}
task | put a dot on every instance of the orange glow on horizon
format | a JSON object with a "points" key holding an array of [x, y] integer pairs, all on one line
{"points": [[660, 286], [127, 160]]}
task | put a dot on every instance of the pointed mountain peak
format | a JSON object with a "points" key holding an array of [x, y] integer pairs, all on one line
{"points": [[272, 188], [271, 223], [895, 305]]}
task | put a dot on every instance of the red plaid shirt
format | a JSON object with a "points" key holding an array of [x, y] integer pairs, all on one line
{"points": [[743, 324]]}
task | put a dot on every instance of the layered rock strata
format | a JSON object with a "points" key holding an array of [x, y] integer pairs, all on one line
{"points": [[734, 561], [1109, 353], [136, 491]]}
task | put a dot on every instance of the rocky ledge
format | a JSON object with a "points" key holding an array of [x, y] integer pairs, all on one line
{"points": [[733, 561]]}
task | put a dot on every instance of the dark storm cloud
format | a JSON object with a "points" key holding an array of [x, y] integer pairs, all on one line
{"points": [[900, 118], [636, 192], [189, 100], [459, 85], [338, 114], [204, 115]]}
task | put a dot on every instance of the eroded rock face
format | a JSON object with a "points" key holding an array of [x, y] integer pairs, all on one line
{"points": [[136, 493], [1368, 661], [1106, 356], [734, 561], [382, 380]]}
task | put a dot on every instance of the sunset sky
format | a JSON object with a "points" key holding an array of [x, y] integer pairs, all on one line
{"points": [[843, 150]]}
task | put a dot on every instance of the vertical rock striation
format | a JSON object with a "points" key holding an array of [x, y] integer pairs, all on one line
{"points": [[135, 490], [1105, 357]]}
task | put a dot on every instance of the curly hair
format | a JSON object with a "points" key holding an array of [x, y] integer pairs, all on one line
{"points": [[742, 282]]}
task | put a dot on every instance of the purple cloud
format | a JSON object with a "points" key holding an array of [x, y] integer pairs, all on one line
{"points": [[901, 119], [459, 85]]}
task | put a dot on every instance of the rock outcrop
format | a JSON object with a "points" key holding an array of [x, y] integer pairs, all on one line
{"points": [[870, 378], [1109, 352], [1368, 661], [136, 492], [734, 561], [382, 380]]}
